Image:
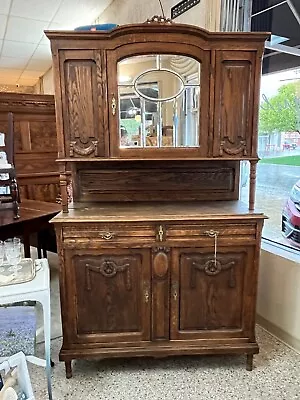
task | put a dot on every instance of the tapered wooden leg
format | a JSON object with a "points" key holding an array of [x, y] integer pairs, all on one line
{"points": [[249, 363], [68, 365]]}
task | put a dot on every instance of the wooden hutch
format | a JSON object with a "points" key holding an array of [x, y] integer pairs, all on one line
{"points": [[158, 256], [35, 143]]}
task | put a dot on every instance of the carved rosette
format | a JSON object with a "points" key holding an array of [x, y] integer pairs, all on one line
{"points": [[83, 148], [233, 151], [108, 269], [213, 267]]}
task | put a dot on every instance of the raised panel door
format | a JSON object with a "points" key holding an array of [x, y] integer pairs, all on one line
{"points": [[234, 90], [83, 104], [211, 298], [109, 297]]}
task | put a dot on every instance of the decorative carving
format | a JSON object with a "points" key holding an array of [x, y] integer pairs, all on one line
{"points": [[158, 19], [35, 104], [108, 269], [91, 146], [160, 265], [213, 267], [43, 135], [241, 147], [159, 249]]}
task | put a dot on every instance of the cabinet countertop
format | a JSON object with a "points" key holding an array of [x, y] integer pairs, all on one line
{"points": [[157, 211]]}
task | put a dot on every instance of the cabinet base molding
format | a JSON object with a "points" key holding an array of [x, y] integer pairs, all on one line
{"points": [[159, 351]]}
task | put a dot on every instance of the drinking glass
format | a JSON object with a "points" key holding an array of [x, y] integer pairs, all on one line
{"points": [[13, 252], [1, 256]]}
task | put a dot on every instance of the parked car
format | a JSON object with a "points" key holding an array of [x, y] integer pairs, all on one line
{"points": [[289, 146], [291, 215]]}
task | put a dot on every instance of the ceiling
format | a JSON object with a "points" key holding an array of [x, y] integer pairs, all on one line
{"points": [[24, 49], [282, 18]]}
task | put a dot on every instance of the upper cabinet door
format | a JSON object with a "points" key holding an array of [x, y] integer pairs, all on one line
{"points": [[158, 102], [83, 104], [234, 131]]}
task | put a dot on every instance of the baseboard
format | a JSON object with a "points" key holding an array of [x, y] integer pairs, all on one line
{"points": [[279, 333]]}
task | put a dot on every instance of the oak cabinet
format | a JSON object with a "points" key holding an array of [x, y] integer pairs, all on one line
{"points": [[158, 255], [179, 97], [146, 286]]}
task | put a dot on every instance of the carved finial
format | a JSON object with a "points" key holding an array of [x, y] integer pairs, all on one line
{"points": [[159, 20]]}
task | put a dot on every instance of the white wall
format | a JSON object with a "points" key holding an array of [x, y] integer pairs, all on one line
{"points": [[205, 14], [48, 83], [278, 305]]}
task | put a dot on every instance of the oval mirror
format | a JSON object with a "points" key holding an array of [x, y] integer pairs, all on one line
{"points": [[170, 83]]}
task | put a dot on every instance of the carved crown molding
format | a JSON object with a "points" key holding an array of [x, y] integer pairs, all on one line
{"points": [[27, 105], [158, 19]]}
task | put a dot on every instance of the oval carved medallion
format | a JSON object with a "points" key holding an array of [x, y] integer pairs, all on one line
{"points": [[160, 264]]}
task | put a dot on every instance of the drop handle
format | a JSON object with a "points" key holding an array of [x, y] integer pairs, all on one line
{"points": [[107, 235]]}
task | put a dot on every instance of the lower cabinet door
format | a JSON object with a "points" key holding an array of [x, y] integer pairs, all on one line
{"points": [[213, 297], [108, 295]]}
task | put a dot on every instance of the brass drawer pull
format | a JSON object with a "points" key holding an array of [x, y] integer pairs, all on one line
{"points": [[211, 233], [107, 235]]}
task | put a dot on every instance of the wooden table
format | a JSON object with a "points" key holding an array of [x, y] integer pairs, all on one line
{"points": [[34, 217]]}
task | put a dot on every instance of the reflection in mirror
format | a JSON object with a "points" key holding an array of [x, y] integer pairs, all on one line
{"points": [[159, 101]]}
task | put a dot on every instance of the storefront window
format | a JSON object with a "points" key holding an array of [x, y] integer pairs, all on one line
{"points": [[278, 172]]}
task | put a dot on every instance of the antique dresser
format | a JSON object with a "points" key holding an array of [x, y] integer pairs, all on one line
{"points": [[158, 256]]}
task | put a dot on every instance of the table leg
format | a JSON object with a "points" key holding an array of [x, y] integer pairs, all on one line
{"points": [[249, 362], [47, 333], [26, 241], [39, 245], [68, 366]]}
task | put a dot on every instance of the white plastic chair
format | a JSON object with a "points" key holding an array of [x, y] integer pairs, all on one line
{"points": [[38, 290], [18, 361]]}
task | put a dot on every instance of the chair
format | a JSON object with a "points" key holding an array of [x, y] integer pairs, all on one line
{"points": [[9, 192], [38, 290]]}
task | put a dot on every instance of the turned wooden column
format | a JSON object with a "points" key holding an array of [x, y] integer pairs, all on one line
{"points": [[253, 165]]}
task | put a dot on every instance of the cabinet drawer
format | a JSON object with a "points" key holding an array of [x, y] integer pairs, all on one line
{"points": [[225, 232], [109, 233]]}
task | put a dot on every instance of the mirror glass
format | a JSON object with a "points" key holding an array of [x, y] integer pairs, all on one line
{"points": [[159, 101]]}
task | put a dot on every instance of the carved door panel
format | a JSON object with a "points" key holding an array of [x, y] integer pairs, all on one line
{"points": [[234, 91], [109, 296], [83, 103], [209, 298]]}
